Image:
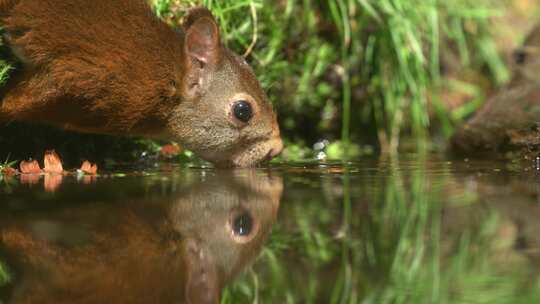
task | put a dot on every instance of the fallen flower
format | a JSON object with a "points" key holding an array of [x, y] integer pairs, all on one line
{"points": [[8, 171], [170, 150], [53, 164], [88, 168], [30, 167]]}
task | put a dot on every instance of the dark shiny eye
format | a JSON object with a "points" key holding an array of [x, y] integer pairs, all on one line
{"points": [[520, 56], [242, 111], [242, 224]]}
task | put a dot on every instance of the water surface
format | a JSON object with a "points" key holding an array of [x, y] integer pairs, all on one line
{"points": [[418, 229]]}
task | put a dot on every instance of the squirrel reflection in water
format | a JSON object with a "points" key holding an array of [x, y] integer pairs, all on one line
{"points": [[180, 249]]}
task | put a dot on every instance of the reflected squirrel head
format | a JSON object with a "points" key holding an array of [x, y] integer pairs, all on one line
{"points": [[231, 220], [225, 116]]}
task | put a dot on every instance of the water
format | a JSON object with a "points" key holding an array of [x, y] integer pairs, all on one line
{"points": [[418, 229]]}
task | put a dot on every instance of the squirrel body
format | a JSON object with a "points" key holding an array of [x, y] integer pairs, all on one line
{"points": [[113, 67]]}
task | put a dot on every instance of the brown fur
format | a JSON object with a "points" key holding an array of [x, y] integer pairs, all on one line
{"points": [[110, 66]]}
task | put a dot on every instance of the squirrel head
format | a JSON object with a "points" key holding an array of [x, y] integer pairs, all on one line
{"points": [[224, 115]]}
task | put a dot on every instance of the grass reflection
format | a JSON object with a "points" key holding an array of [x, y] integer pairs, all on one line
{"points": [[395, 236]]}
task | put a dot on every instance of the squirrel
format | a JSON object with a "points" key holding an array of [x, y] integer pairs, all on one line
{"points": [[113, 67]]}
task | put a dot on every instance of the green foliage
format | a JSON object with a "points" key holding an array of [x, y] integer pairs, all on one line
{"points": [[338, 150], [5, 67], [402, 56], [162, 7], [7, 164], [4, 275]]}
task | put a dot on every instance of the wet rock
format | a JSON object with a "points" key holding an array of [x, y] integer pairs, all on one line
{"points": [[510, 120]]}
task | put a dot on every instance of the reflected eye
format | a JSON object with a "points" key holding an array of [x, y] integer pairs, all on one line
{"points": [[242, 224], [242, 110]]}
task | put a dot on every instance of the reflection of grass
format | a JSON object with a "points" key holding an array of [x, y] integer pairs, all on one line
{"points": [[388, 249]]}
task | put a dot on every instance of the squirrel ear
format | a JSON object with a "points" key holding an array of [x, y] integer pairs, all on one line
{"points": [[202, 40]]}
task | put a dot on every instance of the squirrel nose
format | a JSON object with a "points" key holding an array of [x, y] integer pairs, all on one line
{"points": [[276, 149], [276, 146]]}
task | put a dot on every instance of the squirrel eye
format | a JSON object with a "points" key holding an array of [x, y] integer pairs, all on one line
{"points": [[520, 56], [242, 224], [242, 111]]}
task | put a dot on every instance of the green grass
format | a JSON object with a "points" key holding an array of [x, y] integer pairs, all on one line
{"points": [[4, 275], [5, 67]]}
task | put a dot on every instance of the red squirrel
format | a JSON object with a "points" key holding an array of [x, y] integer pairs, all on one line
{"points": [[112, 67]]}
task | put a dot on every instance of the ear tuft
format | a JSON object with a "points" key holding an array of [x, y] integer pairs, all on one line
{"points": [[195, 13], [202, 40]]}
